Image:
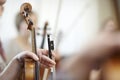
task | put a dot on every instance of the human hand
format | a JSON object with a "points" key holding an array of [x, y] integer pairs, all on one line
{"points": [[42, 57]]}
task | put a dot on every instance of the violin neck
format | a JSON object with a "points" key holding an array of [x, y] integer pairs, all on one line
{"points": [[34, 50]]}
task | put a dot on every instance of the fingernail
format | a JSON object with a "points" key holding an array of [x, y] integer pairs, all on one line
{"points": [[37, 58], [54, 62]]}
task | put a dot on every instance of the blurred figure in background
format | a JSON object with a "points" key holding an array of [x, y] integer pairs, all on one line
{"points": [[110, 70], [90, 63], [3, 56], [109, 27], [78, 67], [2, 53], [21, 42], [108, 30]]}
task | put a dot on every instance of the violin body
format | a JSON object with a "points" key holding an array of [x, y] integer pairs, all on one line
{"points": [[111, 69], [29, 68], [32, 69]]}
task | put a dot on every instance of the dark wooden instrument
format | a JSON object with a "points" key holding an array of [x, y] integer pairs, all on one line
{"points": [[50, 73], [31, 67], [50, 48], [44, 35], [42, 47], [111, 68]]}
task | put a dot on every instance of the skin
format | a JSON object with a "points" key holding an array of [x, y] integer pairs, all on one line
{"points": [[1, 6], [14, 67], [100, 49], [2, 2], [1, 11], [2, 53]]}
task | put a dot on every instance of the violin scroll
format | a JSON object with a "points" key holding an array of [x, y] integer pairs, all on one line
{"points": [[25, 11]]}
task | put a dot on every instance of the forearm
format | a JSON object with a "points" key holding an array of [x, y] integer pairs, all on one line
{"points": [[3, 56], [11, 71], [81, 68], [80, 65], [76, 68]]}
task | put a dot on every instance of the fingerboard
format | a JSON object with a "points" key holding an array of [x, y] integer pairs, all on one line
{"points": [[34, 50]]}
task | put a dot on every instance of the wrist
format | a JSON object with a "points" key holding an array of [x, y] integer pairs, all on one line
{"points": [[17, 62]]}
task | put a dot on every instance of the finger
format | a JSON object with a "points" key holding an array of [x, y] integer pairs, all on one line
{"points": [[53, 54], [42, 51], [45, 66], [27, 54], [45, 52], [32, 55], [46, 60]]}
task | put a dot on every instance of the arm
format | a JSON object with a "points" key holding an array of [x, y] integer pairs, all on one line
{"points": [[13, 68], [80, 65], [2, 53], [11, 71]]}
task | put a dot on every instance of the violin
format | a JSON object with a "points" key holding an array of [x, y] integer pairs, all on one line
{"points": [[31, 67], [111, 68]]}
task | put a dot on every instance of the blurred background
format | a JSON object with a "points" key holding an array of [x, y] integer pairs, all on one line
{"points": [[72, 22]]}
